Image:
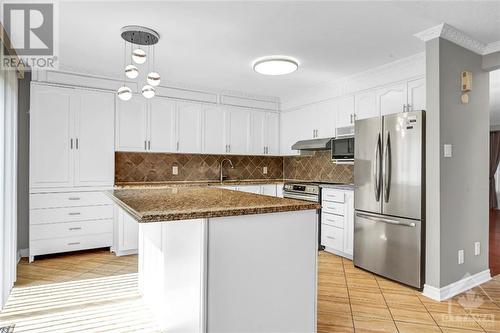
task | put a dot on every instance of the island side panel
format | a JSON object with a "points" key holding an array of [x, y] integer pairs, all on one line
{"points": [[172, 273], [262, 273]]}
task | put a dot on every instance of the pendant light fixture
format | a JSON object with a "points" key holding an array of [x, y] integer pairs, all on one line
{"points": [[139, 39]]}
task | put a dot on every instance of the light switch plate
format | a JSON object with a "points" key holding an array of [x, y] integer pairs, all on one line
{"points": [[448, 150], [477, 248], [461, 256], [264, 170], [175, 170]]}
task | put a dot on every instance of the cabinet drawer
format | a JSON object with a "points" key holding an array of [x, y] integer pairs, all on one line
{"points": [[57, 215], [70, 229], [55, 245], [68, 199], [332, 220], [333, 207], [333, 195], [332, 237]]}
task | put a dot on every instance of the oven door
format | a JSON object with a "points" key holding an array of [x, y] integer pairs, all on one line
{"points": [[300, 196], [343, 149]]}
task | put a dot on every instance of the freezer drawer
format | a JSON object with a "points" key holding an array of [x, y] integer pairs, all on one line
{"points": [[388, 246]]}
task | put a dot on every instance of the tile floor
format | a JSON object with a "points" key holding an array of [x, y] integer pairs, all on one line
{"points": [[95, 291]]}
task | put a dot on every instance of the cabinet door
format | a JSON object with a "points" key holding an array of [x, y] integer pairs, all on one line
{"points": [[366, 105], [161, 121], [189, 127], [268, 190], [289, 126], [391, 99], [416, 95], [325, 117], [214, 129], [51, 136], [273, 133], [345, 114], [257, 133], [238, 127], [129, 232], [349, 222], [250, 188], [94, 135], [131, 124]]}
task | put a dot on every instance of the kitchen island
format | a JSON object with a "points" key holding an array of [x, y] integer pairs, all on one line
{"points": [[216, 260]]}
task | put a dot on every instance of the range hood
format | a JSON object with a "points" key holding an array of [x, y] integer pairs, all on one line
{"points": [[314, 144]]}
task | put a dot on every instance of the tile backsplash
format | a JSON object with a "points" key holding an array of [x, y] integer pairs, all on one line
{"points": [[318, 167], [157, 167]]}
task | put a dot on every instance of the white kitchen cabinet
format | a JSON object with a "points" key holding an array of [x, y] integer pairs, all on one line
{"points": [[416, 95], [279, 190], [324, 119], [238, 130], [126, 240], [131, 124], [94, 139], [268, 190], [189, 127], [161, 135], [365, 105], [250, 188], [214, 129], [346, 111], [51, 139], [71, 141], [272, 133], [258, 135], [337, 221], [392, 99], [289, 126]]}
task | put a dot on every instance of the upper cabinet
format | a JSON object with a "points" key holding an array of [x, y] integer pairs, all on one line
{"points": [[264, 133], [132, 124], [189, 127], [272, 132], [238, 130], [346, 111], [161, 136], [214, 129], [324, 119], [365, 105], [392, 99], [416, 95], [71, 137]]}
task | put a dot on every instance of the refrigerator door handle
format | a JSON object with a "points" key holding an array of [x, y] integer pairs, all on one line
{"points": [[387, 167], [376, 169], [384, 220]]}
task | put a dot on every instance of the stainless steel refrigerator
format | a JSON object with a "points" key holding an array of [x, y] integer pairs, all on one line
{"points": [[389, 196]]}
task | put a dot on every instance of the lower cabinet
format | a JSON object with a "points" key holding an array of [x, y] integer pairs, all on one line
{"points": [[126, 236], [337, 221], [69, 221], [274, 190]]}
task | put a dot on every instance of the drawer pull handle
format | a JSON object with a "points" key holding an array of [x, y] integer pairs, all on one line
{"points": [[73, 198], [75, 228], [74, 243], [330, 237], [74, 213]]}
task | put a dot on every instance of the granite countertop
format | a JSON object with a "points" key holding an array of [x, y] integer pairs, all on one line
{"points": [[121, 185], [194, 202]]}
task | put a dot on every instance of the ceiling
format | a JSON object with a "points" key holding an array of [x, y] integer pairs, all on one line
{"points": [[212, 44]]}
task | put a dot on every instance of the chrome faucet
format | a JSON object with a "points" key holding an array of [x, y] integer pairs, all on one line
{"points": [[222, 177]]}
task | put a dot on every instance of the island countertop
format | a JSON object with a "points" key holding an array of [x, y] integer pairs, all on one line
{"points": [[185, 203]]}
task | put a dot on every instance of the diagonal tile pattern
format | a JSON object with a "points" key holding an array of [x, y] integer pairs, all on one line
{"points": [[318, 167]]}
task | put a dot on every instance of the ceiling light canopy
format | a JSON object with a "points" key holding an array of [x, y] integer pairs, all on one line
{"points": [[275, 65]]}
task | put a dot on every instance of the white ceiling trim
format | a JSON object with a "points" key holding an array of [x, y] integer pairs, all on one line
{"points": [[458, 37]]}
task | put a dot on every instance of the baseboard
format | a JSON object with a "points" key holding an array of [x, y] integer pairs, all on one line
{"points": [[22, 253], [455, 288], [125, 253]]}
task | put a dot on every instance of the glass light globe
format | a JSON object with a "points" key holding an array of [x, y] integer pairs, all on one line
{"points": [[124, 93], [139, 56], [131, 71], [148, 91], [154, 79]]}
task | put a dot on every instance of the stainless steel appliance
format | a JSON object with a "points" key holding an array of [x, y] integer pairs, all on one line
{"points": [[343, 149], [313, 144], [389, 196]]}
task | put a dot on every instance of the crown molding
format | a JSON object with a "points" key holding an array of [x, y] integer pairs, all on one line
{"points": [[458, 37]]}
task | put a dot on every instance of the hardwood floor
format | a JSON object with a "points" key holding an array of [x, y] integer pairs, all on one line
{"points": [[494, 254], [95, 291]]}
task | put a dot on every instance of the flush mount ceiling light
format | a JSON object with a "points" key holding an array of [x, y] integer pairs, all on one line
{"points": [[275, 65], [140, 39]]}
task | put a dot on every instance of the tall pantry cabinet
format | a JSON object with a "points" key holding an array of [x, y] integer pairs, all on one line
{"points": [[71, 162]]}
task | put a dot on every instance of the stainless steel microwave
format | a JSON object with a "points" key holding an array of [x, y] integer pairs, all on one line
{"points": [[343, 148]]}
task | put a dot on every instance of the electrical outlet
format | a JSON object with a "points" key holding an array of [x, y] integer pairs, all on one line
{"points": [[477, 248], [448, 150], [175, 170], [264, 170], [461, 258]]}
